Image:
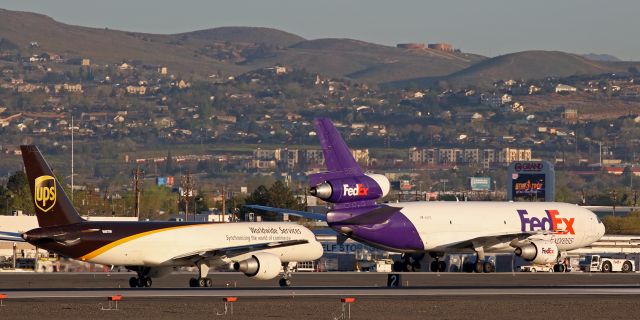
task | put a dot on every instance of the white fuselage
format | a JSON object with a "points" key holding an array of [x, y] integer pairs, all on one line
{"points": [[160, 248], [442, 225]]}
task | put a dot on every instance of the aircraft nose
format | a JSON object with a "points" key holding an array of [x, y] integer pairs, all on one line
{"points": [[601, 230], [316, 250]]}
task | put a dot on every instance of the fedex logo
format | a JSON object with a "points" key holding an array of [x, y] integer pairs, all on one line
{"points": [[547, 251], [359, 190], [551, 222]]}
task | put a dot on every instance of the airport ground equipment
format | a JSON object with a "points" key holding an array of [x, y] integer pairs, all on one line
{"points": [[595, 263], [536, 231], [536, 268], [2, 298], [153, 248]]}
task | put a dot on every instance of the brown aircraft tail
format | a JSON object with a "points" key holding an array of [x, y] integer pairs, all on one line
{"points": [[53, 207]]}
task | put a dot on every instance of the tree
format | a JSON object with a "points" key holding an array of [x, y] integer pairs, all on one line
{"points": [[18, 185], [169, 164], [281, 196], [259, 196]]}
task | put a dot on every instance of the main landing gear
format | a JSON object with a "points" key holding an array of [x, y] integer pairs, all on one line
{"points": [[437, 265], [409, 263], [481, 265], [142, 280], [202, 281], [285, 281]]}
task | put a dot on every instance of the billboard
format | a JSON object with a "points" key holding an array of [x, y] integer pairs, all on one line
{"points": [[528, 186], [531, 181], [480, 183]]}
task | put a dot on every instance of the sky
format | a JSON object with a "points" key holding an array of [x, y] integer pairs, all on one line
{"points": [[487, 27]]}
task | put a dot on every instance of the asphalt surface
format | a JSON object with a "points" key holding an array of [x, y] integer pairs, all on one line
{"points": [[317, 296]]}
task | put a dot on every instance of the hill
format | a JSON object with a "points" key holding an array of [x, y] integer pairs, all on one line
{"points": [[246, 35], [229, 50], [521, 65], [369, 62], [601, 57]]}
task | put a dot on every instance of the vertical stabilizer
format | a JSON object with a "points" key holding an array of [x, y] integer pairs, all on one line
{"points": [[337, 156], [53, 207]]}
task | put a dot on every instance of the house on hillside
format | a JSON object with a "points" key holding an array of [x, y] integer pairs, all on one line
{"points": [[563, 88]]}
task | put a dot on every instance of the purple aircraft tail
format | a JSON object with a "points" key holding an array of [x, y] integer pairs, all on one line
{"points": [[344, 184]]}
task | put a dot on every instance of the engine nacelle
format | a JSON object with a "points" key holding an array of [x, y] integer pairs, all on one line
{"points": [[261, 265], [367, 187], [538, 252]]}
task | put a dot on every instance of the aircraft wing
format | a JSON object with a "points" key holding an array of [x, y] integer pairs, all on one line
{"points": [[507, 237], [11, 236], [236, 251], [303, 214]]}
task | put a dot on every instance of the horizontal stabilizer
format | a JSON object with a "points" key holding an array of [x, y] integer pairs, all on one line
{"points": [[11, 236], [303, 214], [375, 216]]}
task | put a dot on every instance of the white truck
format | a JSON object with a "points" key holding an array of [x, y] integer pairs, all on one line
{"points": [[381, 265], [595, 263], [536, 268]]}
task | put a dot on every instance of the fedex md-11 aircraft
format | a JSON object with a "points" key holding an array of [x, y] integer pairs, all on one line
{"points": [[536, 231], [153, 248]]}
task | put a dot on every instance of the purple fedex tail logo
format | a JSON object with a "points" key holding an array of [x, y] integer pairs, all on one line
{"points": [[552, 222]]}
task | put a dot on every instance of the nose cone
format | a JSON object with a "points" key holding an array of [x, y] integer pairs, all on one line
{"points": [[601, 230], [315, 250]]}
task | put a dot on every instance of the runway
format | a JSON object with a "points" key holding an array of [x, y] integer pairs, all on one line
{"points": [[322, 292], [317, 296]]}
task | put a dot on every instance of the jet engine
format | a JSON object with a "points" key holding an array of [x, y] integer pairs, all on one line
{"points": [[340, 190], [261, 265], [538, 252]]}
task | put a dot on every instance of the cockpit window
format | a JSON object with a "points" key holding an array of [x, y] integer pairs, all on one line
{"points": [[599, 221]]}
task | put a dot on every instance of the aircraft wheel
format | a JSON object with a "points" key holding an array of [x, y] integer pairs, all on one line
{"points": [[561, 268], [147, 282], [193, 282], [488, 267], [434, 266], [479, 267], [442, 266], [398, 266], [416, 266], [209, 283], [285, 282], [202, 282], [133, 282]]}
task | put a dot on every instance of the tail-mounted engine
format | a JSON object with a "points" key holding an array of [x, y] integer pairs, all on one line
{"points": [[340, 190], [538, 252]]}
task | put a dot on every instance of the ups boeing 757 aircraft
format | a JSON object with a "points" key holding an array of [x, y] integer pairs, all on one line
{"points": [[153, 248], [535, 231]]}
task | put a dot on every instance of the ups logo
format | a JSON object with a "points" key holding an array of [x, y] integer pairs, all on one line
{"points": [[45, 193]]}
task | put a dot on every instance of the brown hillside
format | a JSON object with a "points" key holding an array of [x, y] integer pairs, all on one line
{"points": [[230, 50], [524, 65]]}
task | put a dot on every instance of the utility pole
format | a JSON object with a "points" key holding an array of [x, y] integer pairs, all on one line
{"points": [[187, 189], [137, 178], [72, 129], [224, 204]]}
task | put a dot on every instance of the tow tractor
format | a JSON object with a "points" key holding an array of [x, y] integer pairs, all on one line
{"points": [[595, 263]]}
